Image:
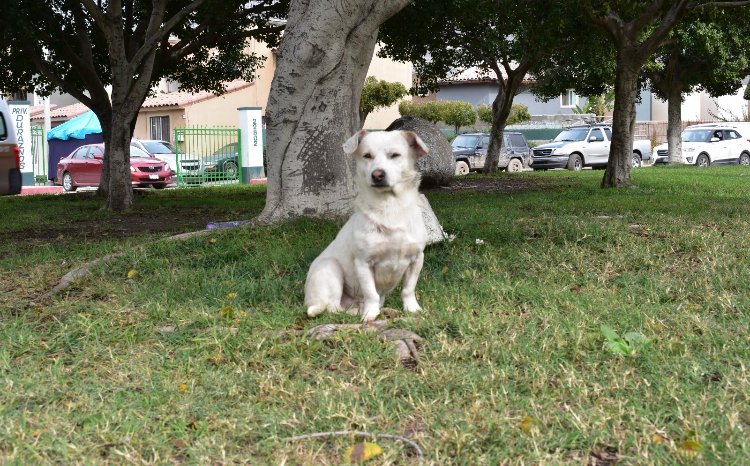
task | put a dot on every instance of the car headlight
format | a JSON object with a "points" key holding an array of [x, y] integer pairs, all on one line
{"points": [[166, 166], [132, 169]]}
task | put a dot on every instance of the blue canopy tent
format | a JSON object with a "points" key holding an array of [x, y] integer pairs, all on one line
{"points": [[64, 139]]}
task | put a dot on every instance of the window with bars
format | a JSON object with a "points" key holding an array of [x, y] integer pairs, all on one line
{"points": [[159, 127]]}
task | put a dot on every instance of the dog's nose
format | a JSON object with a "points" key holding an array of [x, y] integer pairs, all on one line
{"points": [[378, 176]]}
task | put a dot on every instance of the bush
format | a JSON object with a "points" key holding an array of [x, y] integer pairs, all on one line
{"points": [[453, 112], [518, 113]]}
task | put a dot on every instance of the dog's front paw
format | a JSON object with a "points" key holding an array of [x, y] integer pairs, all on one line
{"points": [[411, 305], [371, 312]]}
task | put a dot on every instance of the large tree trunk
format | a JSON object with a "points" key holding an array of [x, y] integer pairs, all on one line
{"points": [[674, 122], [617, 174], [314, 105]]}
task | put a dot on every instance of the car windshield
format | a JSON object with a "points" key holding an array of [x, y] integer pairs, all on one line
{"points": [[158, 147], [697, 135], [136, 152], [573, 134], [465, 140], [229, 149]]}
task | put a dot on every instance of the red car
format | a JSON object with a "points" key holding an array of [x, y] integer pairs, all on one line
{"points": [[83, 167]]}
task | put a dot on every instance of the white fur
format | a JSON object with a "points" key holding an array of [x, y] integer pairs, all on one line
{"points": [[383, 241]]}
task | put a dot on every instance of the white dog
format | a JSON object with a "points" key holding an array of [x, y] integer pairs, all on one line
{"points": [[384, 239]]}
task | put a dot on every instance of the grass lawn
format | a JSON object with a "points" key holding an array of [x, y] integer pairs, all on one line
{"points": [[180, 352]]}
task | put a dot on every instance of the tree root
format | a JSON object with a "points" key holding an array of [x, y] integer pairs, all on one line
{"points": [[404, 341], [417, 451], [80, 272]]}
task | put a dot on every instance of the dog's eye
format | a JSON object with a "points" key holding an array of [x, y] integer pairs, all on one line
{"points": [[395, 154], [367, 156]]}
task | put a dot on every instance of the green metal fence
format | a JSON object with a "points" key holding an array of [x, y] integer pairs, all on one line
{"points": [[207, 156], [39, 154]]}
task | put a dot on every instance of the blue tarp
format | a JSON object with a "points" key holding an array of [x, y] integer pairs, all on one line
{"points": [[77, 128]]}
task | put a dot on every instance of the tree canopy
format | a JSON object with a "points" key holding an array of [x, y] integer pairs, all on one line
{"points": [[82, 47], [378, 93]]}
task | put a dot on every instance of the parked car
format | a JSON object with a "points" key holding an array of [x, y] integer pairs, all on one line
{"points": [[162, 150], [83, 167], [470, 152], [222, 164], [10, 154], [710, 144], [582, 146]]}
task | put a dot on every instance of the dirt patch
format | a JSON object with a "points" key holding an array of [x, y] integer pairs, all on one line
{"points": [[494, 184]]}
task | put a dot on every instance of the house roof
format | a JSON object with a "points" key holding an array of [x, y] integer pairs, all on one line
{"points": [[66, 112], [176, 99], [475, 75], [181, 99]]}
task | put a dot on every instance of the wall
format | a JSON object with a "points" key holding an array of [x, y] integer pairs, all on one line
{"points": [[391, 71], [142, 124], [484, 93]]}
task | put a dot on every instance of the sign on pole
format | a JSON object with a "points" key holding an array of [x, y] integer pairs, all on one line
{"points": [[19, 111], [251, 142]]}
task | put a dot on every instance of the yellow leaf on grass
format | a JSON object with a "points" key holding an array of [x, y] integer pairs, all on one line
{"points": [[231, 296], [658, 438], [183, 388], [227, 311], [445, 269], [361, 452], [690, 447], [528, 424], [212, 240], [132, 274]]}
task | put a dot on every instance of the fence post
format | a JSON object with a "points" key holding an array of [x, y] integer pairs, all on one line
{"points": [[251, 143]]}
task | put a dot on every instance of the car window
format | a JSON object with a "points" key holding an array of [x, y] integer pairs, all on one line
{"points": [[3, 128], [81, 153], [485, 141], [597, 133], [731, 134], [518, 141], [465, 141], [608, 132], [699, 135], [95, 151], [157, 147], [573, 134], [136, 152]]}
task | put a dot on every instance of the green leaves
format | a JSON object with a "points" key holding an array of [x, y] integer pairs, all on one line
{"points": [[629, 344]]}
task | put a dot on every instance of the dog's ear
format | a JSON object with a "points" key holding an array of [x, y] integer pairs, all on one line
{"points": [[351, 144], [415, 144]]}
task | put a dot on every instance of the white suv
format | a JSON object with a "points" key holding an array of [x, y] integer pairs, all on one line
{"points": [[10, 154], [710, 144]]}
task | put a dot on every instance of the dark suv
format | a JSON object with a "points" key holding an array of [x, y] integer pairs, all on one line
{"points": [[470, 152]]}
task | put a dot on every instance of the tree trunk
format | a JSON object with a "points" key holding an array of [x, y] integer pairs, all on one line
{"points": [[674, 122], [617, 174], [500, 112], [314, 105]]}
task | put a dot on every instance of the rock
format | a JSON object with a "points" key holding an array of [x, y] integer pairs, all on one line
{"points": [[438, 167]]}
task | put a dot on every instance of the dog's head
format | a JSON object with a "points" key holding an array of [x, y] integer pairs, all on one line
{"points": [[386, 159]]}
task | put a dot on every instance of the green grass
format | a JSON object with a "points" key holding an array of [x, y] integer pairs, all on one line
{"points": [[189, 361]]}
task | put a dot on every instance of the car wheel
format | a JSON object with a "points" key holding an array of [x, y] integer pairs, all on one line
{"points": [[637, 162], [575, 163], [67, 182], [514, 166], [159, 186], [744, 159], [702, 161], [231, 171], [462, 168]]}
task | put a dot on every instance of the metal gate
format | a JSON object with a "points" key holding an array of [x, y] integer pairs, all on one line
{"points": [[39, 154], [207, 156]]}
